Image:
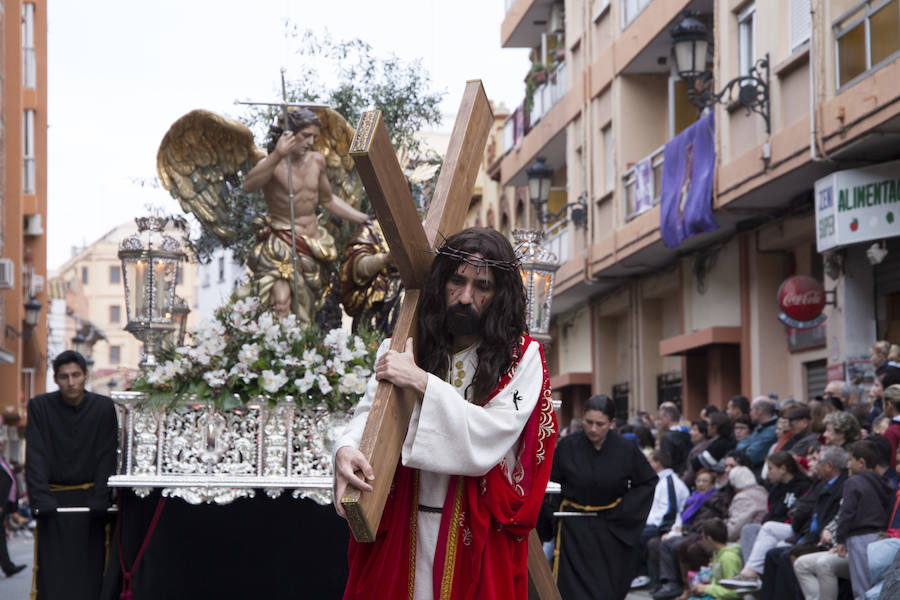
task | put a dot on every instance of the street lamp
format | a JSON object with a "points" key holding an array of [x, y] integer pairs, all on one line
{"points": [[537, 266], [150, 261], [32, 315], [179, 313], [690, 45], [79, 343], [539, 177]]}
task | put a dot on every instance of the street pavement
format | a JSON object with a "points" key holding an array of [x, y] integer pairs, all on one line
{"points": [[21, 551]]}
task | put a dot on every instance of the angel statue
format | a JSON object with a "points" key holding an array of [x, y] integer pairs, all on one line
{"points": [[200, 161]]}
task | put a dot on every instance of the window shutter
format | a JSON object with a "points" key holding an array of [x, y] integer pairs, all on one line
{"points": [[800, 23]]}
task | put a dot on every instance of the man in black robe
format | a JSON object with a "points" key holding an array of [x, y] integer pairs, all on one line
{"points": [[600, 472], [71, 440]]}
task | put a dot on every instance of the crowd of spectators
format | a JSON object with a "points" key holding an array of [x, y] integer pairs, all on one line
{"points": [[779, 499]]}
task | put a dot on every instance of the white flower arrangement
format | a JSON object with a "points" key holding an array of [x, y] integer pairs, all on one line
{"points": [[246, 353]]}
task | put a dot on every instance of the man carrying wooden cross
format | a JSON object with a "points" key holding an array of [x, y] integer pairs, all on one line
{"points": [[477, 455]]}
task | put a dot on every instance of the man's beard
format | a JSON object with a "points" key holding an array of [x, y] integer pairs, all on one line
{"points": [[461, 319]]}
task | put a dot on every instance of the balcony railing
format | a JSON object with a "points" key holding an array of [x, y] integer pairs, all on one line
{"points": [[546, 95], [643, 184], [557, 240]]}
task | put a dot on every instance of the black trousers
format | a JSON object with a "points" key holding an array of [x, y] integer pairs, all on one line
{"points": [[778, 579], [6, 565]]}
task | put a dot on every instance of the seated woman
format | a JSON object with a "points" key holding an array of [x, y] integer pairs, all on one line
{"points": [[841, 429], [789, 484], [742, 428]]}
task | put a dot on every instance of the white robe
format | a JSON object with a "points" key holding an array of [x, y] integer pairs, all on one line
{"points": [[447, 436]]}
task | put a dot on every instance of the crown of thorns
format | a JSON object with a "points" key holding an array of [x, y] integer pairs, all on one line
{"points": [[475, 260]]}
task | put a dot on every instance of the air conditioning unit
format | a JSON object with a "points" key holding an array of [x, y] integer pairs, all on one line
{"points": [[7, 274], [33, 225]]}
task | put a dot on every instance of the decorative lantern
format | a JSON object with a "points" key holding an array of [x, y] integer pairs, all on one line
{"points": [[150, 261], [79, 343], [539, 178], [32, 312], [180, 312], [538, 267], [690, 41]]}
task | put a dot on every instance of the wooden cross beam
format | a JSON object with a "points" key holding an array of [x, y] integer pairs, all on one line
{"points": [[411, 245]]}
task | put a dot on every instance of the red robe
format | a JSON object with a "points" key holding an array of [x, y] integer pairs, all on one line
{"points": [[482, 547]]}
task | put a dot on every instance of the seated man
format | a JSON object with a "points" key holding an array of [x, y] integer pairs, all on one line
{"points": [[863, 514], [814, 511]]}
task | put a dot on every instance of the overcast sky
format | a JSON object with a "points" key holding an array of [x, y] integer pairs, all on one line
{"points": [[120, 73]]}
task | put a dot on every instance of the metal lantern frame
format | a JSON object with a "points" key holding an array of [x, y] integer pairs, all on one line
{"points": [[180, 313], [150, 260], [539, 182], [538, 267], [691, 41]]}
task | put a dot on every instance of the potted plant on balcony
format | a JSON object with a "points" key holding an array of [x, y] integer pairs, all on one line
{"points": [[535, 77]]}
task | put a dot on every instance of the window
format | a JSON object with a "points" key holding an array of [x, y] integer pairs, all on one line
{"points": [[29, 70], [746, 39], [115, 274], [28, 177], [115, 354], [221, 269], [866, 37], [609, 169], [799, 23], [84, 275], [114, 313], [631, 9]]}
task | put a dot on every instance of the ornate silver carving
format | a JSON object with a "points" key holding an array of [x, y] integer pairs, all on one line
{"points": [[200, 454]]}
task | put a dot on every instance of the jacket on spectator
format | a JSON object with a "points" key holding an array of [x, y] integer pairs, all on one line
{"points": [[725, 564], [715, 507], [759, 442], [677, 444], [865, 506], [716, 450], [784, 496], [747, 506], [893, 436], [661, 510], [823, 500]]}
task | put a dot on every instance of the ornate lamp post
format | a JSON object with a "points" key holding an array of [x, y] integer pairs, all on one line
{"points": [[539, 177], [79, 343], [180, 312], [538, 267], [32, 316], [690, 44], [149, 263]]}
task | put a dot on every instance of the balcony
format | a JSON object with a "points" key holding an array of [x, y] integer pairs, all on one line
{"points": [[526, 20], [545, 97], [643, 184]]}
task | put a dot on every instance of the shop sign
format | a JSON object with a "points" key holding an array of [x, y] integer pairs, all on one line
{"points": [[806, 339], [836, 372], [802, 300], [858, 205]]}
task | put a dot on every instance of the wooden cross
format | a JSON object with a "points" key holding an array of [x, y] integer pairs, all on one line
{"points": [[411, 245]]}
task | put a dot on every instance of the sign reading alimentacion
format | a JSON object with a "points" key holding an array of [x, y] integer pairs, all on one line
{"points": [[858, 205]]}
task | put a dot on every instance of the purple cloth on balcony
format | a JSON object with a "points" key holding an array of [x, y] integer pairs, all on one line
{"points": [[643, 186], [689, 165]]}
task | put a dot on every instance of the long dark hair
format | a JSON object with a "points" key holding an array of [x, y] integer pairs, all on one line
{"points": [[502, 323], [297, 119]]}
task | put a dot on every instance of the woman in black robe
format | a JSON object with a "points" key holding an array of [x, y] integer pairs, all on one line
{"points": [[601, 473]]}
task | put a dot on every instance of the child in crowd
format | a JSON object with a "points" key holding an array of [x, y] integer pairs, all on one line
{"points": [[726, 562]]}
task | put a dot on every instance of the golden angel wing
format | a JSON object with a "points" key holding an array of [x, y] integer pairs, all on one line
{"points": [[334, 141], [199, 161]]}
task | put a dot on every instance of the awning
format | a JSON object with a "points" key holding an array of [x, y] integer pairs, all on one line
{"points": [[688, 343]]}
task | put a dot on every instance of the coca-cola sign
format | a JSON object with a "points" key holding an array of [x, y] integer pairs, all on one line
{"points": [[802, 300]]}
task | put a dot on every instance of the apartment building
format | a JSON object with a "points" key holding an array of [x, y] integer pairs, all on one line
{"points": [[90, 284], [698, 321], [23, 211]]}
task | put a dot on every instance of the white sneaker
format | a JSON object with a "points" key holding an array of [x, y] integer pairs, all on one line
{"points": [[640, 581]]}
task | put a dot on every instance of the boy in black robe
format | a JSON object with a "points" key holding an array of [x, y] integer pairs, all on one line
{"points": [[70, 453]]}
